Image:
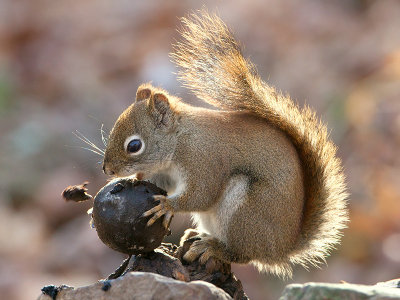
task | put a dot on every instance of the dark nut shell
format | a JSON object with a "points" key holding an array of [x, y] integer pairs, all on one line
{"points": [[117, 216]]}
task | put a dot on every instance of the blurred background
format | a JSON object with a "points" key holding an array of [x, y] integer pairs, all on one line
{"points": [[75, 65]]}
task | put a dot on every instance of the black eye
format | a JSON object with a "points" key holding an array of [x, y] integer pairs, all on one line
{"points": [[134, 146]]}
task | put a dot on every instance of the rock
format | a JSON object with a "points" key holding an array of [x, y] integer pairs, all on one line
{"points": [[117, 216], [394, 283], [215, 272], [341, 291], [141, 285], [167, 260], [159, 262]]}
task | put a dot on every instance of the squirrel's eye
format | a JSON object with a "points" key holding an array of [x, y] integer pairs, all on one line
{"points": [[134, 145]]}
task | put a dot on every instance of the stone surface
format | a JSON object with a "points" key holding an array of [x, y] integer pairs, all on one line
{"points": [[340, 291], [167, 261], [160, 263], [391, 283], [141, 285]]}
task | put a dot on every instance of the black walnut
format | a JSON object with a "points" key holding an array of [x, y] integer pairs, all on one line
{"points": [[117, 216]]}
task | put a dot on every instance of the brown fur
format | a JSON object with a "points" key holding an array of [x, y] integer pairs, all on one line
{"points": [[263, 177]]}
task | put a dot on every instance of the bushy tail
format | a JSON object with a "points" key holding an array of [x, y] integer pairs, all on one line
{"points": [[213, 67]]}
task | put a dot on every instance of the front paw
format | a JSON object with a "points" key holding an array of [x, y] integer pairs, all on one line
{"points": [[162, 209]]}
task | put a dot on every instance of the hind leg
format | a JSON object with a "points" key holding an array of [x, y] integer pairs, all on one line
{"points": [[208, 251], [217, 223], [205, 247]]}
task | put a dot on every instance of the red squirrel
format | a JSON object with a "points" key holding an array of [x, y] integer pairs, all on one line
{"points": [[260, 175]]}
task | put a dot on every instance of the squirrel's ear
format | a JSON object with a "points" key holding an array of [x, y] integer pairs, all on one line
{"points": [[161, 110], [143, 93]]}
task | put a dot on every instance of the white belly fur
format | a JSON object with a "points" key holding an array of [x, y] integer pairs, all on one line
{"points": [[172, 179], [216, 220]]}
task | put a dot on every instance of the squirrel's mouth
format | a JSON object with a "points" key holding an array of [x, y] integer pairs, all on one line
{"points": [[132, 172]]}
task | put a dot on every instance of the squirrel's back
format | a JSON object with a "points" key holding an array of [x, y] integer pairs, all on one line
{"points": [[213, 67]]}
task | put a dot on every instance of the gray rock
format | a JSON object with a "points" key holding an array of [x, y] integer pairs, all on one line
{"points": [[340, 291], [394, 283], [141, 285]]}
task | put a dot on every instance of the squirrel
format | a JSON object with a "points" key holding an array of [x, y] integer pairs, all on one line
{"points": [[259, 174]]}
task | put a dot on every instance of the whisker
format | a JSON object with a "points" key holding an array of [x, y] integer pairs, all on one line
{"points": [[91, 150], [89, 142], [103, 138], [84, 139]]}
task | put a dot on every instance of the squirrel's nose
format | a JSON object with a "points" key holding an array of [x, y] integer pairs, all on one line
{"points": [[107, 171]]}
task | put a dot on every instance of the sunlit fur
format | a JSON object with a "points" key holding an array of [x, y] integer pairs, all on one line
{"points": [[213, 67]]}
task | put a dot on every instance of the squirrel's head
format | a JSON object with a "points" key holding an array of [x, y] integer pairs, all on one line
{"points": [[144, 137]]}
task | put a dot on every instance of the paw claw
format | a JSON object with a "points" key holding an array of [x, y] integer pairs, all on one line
{"points": [[162, 209], [190, 256], [193, 239], [159, 198], [188, 234], [155, 217], [167, 219], [205, 257], [152, 211], [196, 250]]}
